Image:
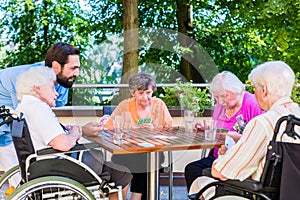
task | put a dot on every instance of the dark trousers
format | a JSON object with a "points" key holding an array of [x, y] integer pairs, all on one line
{"points": [[194, 169], [137, 164]]}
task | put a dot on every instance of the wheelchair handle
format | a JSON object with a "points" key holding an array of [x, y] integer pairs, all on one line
{"points": [[291, 121], [8, 115]]}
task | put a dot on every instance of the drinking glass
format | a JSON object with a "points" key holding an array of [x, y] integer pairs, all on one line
{"points": [[210, 129], [126, 122], [118, 133], [189, 120]]}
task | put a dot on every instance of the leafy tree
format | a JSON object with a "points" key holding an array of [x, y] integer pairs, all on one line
{"points": [[240, 34], [33, 26], [237, 35]]}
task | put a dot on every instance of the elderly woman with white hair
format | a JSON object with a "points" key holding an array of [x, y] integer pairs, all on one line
{"points": [[232, 102], [36, 92], [273, 82]]}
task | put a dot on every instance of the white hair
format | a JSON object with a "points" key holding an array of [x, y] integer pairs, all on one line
{"points": [[35, 76], [226, 81], [276, 75]]}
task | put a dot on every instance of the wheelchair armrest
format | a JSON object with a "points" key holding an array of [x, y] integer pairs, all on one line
{"points": [[77, 147], [247, 184]]}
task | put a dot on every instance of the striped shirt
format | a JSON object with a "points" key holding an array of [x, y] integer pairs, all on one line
{"points": [[247, 157]]}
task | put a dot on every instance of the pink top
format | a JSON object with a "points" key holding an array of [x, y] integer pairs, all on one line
{"points": [[247, 157], [249, 110]]}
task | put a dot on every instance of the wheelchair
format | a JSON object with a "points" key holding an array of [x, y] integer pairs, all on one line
{"points": [[49, 173], [280, 177]]}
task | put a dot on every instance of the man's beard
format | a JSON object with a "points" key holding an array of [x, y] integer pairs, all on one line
{"points": [[64, 81]]}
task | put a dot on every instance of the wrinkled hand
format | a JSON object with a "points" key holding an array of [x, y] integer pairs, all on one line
{"points": [[222, 150], [146, 125], [75, 130], [199, 126], [92, 129]]}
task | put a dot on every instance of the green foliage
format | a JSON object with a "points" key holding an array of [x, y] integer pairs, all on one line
{"points": [[96, 69], [187, 97], [296, 90], [241, 34], [249, 87], [33, 26], [236, 34]]}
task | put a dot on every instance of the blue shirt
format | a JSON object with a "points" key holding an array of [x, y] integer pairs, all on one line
{"points": [[8, 96]]}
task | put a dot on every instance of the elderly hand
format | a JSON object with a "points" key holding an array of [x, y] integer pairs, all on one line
{"points": [[199, 126], [92, 129], [146, 125], [75, 130], [222, 150]]}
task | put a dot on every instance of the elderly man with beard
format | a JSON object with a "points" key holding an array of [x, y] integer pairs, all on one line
{"points": [[63, 59]]}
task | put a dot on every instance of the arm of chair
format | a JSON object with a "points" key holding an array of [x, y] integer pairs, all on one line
{"points": [[76, 148], [248, 184]]}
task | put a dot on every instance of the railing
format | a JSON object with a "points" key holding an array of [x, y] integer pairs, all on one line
{"points": [[201, 85], [97, 110]]}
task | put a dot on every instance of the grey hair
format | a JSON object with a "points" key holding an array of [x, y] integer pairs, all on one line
{"points": [[226, 81], [276, 75], [35, 76], [141, 81]]}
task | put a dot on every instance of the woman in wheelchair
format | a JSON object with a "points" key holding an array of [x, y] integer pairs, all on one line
{"points": [[35, 90], [273, 82]]}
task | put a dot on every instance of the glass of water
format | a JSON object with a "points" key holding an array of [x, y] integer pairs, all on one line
{"points": [[127, 123], [210, 129], [118, 133], [189, 116]]}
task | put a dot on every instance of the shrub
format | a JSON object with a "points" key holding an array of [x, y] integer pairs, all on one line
{"points": [[186, 96], [296, 90]]}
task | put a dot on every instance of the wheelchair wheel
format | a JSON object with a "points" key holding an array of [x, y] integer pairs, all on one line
{"points": [[51, 187], [4, 179]]}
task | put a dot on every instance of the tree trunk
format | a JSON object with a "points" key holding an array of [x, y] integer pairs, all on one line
{"points": [[131, 44], [185, 26]]}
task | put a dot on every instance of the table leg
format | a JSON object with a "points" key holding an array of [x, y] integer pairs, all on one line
{"points": [[153, 176], [170, 160], [203, 153]]}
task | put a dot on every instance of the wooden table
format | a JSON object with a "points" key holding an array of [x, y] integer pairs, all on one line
{"points": [[153, 141]]}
